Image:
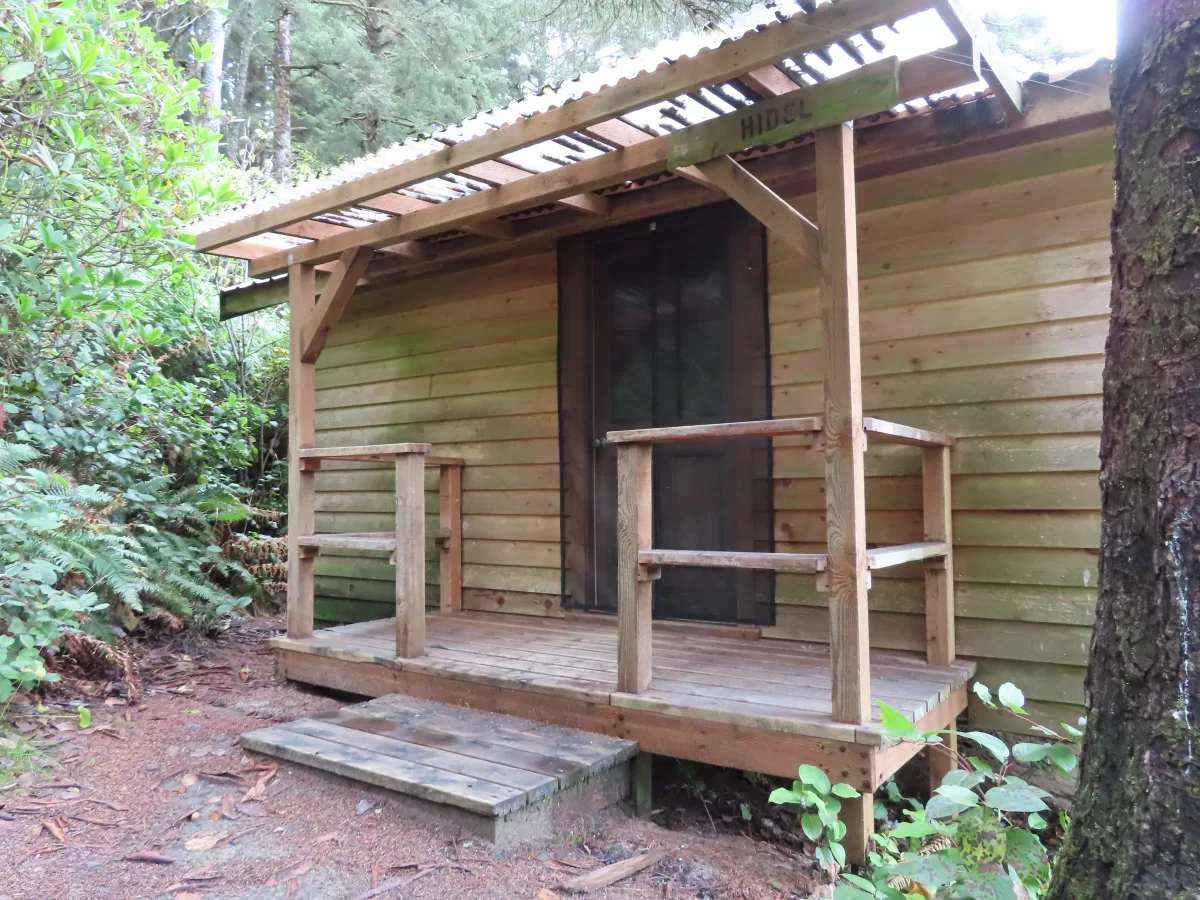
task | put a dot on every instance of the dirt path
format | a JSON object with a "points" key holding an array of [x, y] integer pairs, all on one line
{"points": [[166, 779]]}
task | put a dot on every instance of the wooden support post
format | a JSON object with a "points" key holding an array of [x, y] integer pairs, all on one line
{"points": [[302, 405], [858, 814], [635, 531], [450, 522], [845, 439], [643, 784], [410, 555], [939, 573]]}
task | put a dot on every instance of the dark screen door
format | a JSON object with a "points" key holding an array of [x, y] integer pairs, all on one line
{"points": [[677, 337]]}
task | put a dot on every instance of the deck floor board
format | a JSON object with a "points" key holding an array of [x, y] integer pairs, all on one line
{"points": [[733, 678]]}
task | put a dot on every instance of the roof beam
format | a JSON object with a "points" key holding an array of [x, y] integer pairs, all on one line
{"points": [[797, 35], [400, 205], [628, 163], [726, 176], [314, 330], [495, 173], [769, 82], [964, 23]]}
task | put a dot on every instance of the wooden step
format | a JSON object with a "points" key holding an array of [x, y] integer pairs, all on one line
{"points": [[484, 764]]}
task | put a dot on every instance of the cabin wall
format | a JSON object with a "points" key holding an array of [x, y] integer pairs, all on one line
{"points": [[984, 299], [465, 361], [984, 307]]}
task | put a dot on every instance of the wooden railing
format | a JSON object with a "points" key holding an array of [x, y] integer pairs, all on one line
{"points": [[639, 562], [405, 545]]}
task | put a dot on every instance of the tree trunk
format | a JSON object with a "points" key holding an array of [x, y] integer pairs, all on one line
{"points": [[212, 32], [237, 128], [1136, 828], [281, 160]]}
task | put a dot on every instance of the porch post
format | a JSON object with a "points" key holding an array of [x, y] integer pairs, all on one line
{"points": [[845, 442], [410, 555], [302, 297], [635, 531]]}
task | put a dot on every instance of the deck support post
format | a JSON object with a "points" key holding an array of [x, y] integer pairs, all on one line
{"points": [[410, 555], [635, 531], [643, 784], [450, 525], [302, 403], [845, 439], [939, 572], [858, 815]]}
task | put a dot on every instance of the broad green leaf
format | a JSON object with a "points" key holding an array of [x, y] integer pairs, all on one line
{"points": [[15, 71], [987, 886], [1011, 697], [1023, 851], [896, 722], [1026, 752], [844, 790], [983, 693], [958, 793], [912, 830], [981, 837], [859, 881], [963, 778], [815, 778], [846, 892], [989, 742], [839, 853], [980, 765], [1036, 822], [1063, 756], [1014, 798], [810, 824], [784, 795], [942, 807], [85, 717]]}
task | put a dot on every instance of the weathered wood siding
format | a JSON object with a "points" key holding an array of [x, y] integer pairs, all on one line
{"points": [[984, 298], [467, 362]]}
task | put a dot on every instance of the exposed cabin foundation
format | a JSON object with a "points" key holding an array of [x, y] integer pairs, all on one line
{"points": [[809, 409]]}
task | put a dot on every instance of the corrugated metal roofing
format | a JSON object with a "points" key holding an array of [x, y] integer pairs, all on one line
{"points": [[922, 33]]}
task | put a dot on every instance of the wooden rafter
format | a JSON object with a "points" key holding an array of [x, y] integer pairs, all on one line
{"points": [[627, 163], [495, 173], [769, 82], [797, 35], [966, 25], [314, 330]]}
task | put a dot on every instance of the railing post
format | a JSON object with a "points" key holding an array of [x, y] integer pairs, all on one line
{"points": [[302, 402], [450, 525], [635, 531], [939, 573], [410, 555]]}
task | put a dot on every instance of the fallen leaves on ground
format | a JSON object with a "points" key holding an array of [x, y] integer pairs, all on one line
{"points": [[204, 840]]}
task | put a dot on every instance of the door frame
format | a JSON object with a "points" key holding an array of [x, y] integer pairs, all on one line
{"points": [[747, 287]]}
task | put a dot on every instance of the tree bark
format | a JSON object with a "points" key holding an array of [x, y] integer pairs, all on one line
{"points": [[213, 28], [1136, 828], [281, 106]]}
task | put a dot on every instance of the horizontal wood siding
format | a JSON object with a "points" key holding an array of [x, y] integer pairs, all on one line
{"points": [[984, 298], [465, 361]]}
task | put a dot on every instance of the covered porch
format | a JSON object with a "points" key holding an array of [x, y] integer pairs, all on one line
{"points": [[720, 694]]}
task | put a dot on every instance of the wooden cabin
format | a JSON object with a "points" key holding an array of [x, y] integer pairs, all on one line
{"points": [[706, 403]]}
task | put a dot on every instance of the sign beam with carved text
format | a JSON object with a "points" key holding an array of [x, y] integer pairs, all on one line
{"points": [[872, 89]]}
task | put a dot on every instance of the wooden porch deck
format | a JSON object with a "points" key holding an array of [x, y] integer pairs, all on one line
{"points": [[719, 695]]}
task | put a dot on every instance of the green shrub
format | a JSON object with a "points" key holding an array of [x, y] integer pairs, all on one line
{"points": [[71, 556], [977, 838]]}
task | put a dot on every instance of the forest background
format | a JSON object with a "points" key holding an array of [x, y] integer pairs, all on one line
{"points": [[142, 441]]}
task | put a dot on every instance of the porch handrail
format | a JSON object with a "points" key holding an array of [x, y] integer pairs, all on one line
{"points": [[405, 545], [639, 562]]}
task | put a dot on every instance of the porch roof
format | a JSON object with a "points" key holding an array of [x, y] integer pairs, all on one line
{"points": [[565, 154]]}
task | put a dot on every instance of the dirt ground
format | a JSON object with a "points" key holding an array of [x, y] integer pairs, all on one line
{"points": [[155, 799]]}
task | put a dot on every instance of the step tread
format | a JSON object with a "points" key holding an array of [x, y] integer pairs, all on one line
{"points": [[486, 763]]}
